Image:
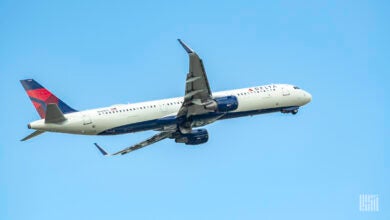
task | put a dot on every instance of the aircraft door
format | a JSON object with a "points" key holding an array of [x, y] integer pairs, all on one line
{"points": [[162, 107], [88, 127], [86, 120], [285, 91]]}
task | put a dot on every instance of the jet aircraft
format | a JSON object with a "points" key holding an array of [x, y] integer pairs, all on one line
{"points": [[176, 118]]}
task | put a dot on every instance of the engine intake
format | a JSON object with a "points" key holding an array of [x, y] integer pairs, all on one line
{"points": [[223, 104], [196, 137]]}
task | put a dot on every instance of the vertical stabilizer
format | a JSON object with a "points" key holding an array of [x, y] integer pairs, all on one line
{"points": [[41, 97]]}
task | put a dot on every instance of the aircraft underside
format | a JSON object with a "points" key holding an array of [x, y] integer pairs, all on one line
{"points": [[169, 123]]}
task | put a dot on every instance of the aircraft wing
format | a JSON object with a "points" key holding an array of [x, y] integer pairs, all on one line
{"points": [[197, 96], [149, 141], [197, 89]]}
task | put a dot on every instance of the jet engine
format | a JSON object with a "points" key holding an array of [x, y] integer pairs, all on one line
{"points": [[223, 104], [196, 137]]}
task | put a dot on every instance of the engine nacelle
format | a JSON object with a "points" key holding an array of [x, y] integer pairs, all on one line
{"points": [[223, 104], [196, 137]]}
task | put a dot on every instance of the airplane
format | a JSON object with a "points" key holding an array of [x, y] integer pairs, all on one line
{"points": [[173, 118]]}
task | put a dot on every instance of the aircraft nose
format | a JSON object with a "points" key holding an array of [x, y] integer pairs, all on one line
{"points": [[306, 97]]}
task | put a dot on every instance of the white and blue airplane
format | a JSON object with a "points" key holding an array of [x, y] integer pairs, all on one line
{"points": [[173, 118]]}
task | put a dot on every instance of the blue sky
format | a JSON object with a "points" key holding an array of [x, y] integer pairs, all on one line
{"points": [[97, 53]]}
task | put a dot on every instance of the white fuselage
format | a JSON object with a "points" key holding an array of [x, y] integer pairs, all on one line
{"points": [[160, 114]]}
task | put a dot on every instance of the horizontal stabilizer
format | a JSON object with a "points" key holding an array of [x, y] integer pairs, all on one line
{"points": [[54, 114], [35, 133]]}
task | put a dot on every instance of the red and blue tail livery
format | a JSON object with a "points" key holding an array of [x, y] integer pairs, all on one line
{"points": [[41, 97]]}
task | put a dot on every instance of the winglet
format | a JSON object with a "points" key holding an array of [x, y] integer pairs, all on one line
{"points": [[102, 150], [187, 48]]}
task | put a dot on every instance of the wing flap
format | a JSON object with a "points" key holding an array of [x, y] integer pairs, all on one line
{"points": [[190, 80], [191, 94]]}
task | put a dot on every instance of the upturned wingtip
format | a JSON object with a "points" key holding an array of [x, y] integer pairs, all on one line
{"points": [[102, 150], [187, 48]]}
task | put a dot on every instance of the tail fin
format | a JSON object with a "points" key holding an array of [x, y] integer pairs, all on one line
{"points": [[41, 97]]}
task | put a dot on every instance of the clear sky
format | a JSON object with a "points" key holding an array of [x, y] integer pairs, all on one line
{"points": [[313, 165]]}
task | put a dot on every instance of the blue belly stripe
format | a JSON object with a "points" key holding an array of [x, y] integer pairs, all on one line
{"points": [[158, 124]]}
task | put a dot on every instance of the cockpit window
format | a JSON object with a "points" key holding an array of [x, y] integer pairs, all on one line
{"points": [[296, 87]]}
